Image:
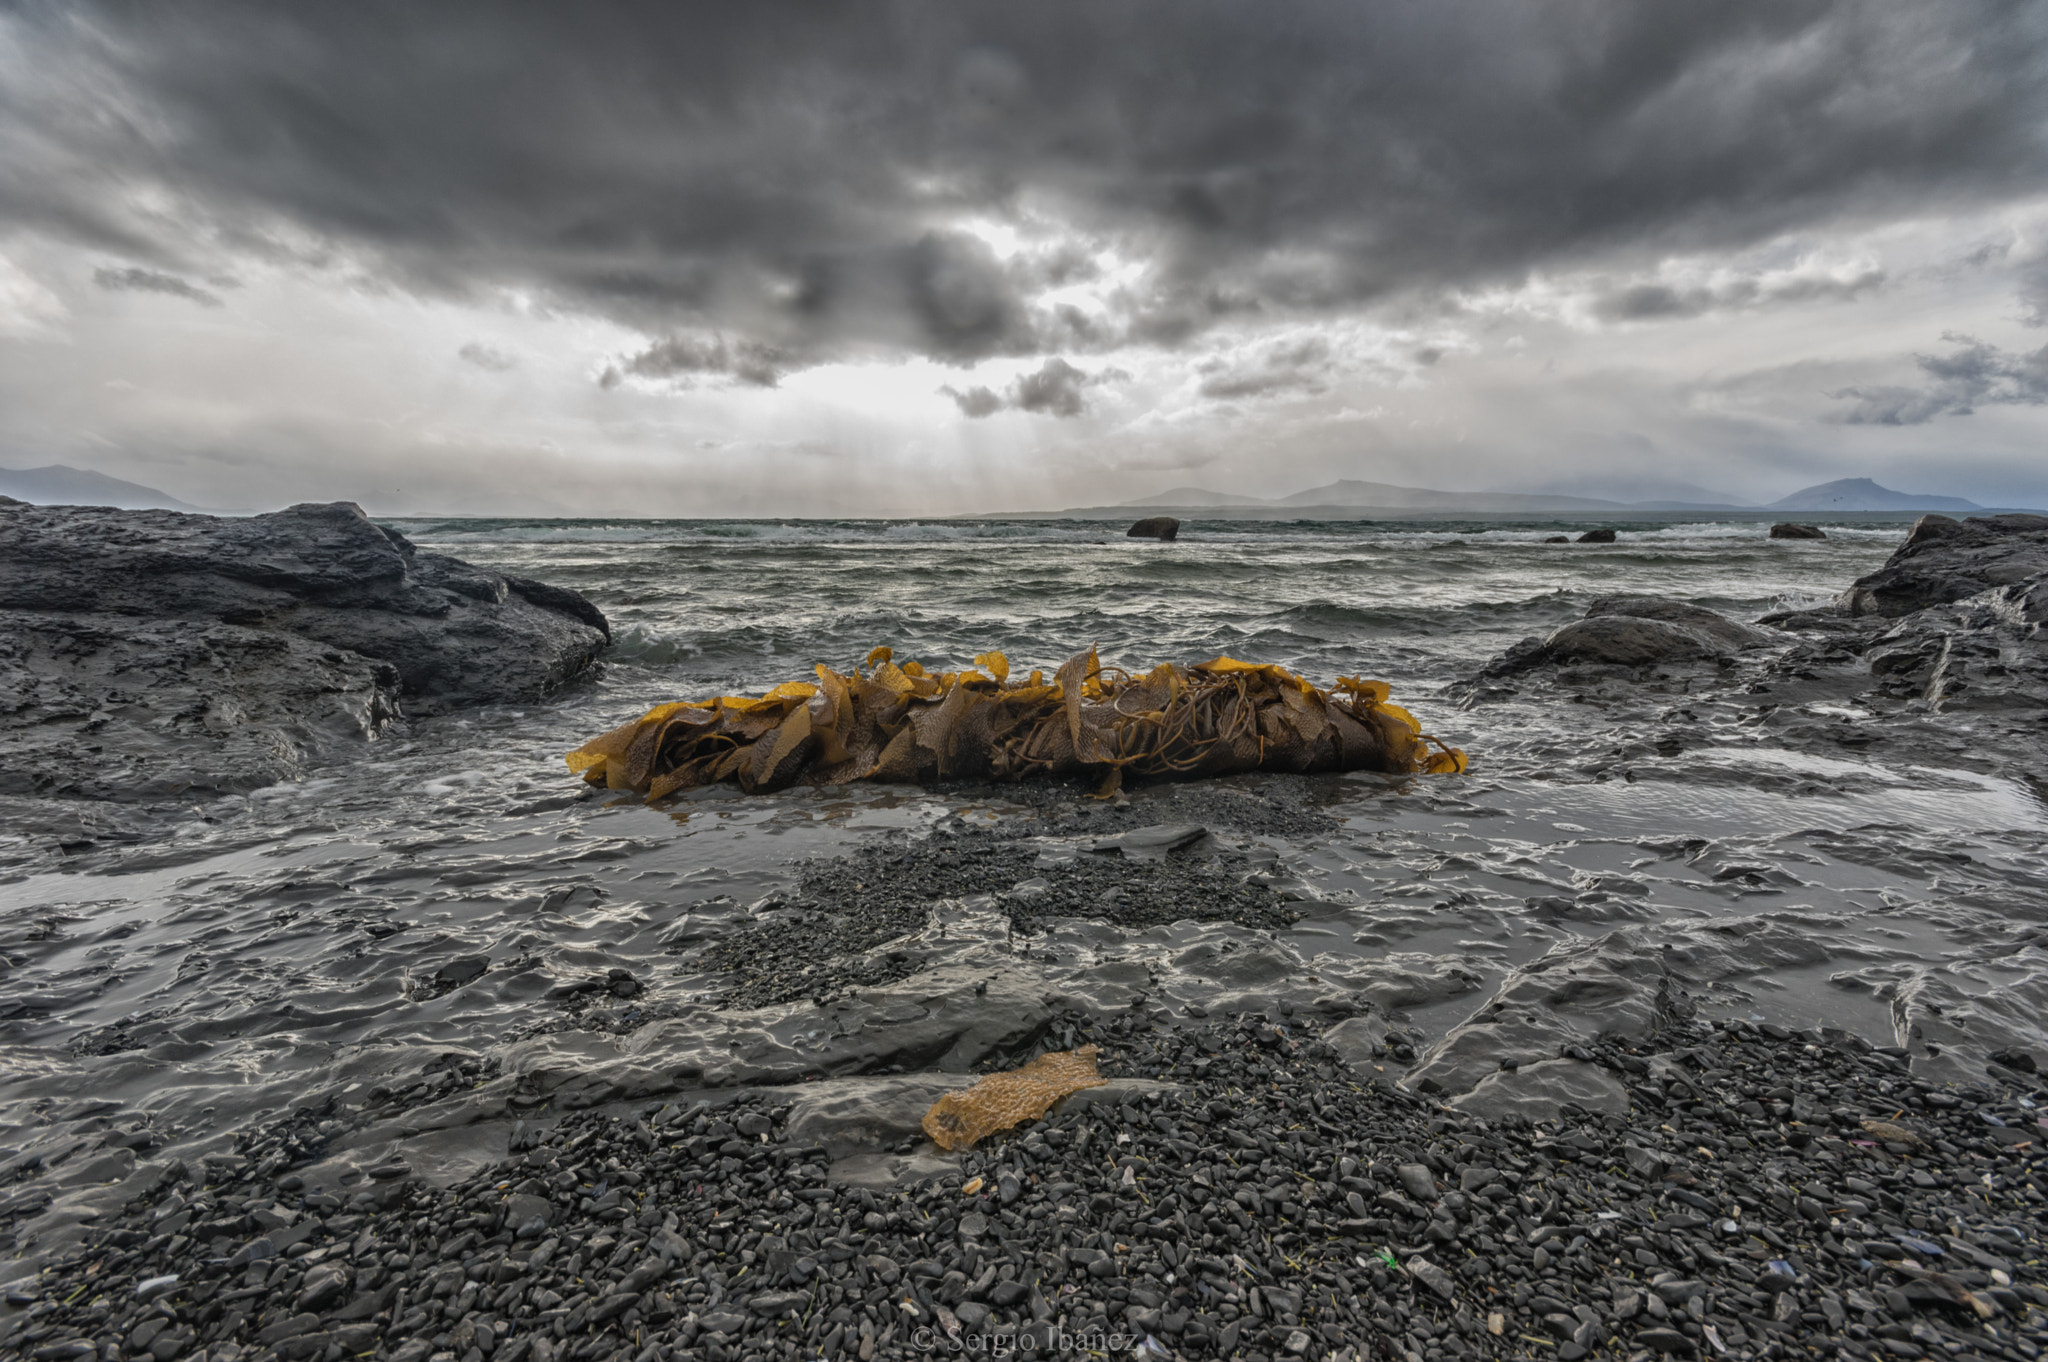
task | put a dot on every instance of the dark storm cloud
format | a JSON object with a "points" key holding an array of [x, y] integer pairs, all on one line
{"points": [[681, 357], [2033, 293], [487, 359], [1299, 366], [796, 174], [1055, 388], [1659, 302], [1973, 375], [135, 279], [976, 402]]}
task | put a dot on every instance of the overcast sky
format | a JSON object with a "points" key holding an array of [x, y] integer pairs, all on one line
{"points": [[846, 258]]}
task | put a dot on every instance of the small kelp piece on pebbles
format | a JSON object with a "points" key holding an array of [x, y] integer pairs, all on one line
{"points": [[1003, 1101], [890, 721]]}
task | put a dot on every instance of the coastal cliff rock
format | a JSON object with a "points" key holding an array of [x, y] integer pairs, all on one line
{"points": [[1945, 560], [153, 653]]}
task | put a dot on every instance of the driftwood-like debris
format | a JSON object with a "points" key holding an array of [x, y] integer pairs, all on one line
{"points": [[897, 722]]}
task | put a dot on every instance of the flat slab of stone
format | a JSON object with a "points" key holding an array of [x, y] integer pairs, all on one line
{"points": [[1538, 1091]]}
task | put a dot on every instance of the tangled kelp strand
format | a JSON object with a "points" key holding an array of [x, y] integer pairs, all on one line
{"points": [[887, 721]]}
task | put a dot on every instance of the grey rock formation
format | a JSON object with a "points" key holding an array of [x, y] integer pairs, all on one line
{"points": [[1984, 652], [1596, 537], [109, 707], [153, 653], [1633, 631], [1785, 529], [1945, 560], [1154, 527], [1723, 633]]}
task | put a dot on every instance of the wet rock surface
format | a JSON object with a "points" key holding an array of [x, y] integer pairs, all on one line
{"points": [[1944, 560], [1239, 1192], [107, 707], [1632, 631], [1785, 529], [150, 654]]}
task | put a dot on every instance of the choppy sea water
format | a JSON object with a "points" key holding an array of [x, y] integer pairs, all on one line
{"points": [[217, 960]]}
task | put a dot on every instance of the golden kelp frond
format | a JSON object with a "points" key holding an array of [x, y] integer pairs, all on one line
{"points": [[1003, 1101], [892, 721]]}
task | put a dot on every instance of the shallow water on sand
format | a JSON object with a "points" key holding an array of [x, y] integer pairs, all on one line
{"points": [[208, 965]]}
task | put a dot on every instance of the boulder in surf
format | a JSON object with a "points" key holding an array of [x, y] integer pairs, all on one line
{"points": [[1154, 527]]}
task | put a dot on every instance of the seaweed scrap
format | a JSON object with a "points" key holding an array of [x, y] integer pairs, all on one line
{"points": [[897, 722], [1003, 1101]]}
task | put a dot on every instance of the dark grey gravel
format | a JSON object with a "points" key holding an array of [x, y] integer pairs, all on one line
{"points": [[1069, 859], [1264, 1207]]}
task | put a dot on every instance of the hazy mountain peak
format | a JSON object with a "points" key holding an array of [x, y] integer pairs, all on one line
{"points": [[59, 484], [1864, 494]]}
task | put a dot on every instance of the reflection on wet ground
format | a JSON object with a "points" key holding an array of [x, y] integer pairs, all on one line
{"points": [[224, 967]]}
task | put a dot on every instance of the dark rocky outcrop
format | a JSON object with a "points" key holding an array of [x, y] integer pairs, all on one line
{"points": [[151, 653], [1945, 560], [1154, 527], [1597, 537], [1785, 529], [1558, 539], [1633, 631]]}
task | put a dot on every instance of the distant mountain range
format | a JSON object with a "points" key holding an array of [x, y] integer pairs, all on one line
{"points": [[59, 485], [1351, 495]]}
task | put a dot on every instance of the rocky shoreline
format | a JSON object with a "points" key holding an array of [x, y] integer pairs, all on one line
{"points": [[728, 1164], [1242, 1187]]}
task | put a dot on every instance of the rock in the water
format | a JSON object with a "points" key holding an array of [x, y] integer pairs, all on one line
{"points": [[1946, 560], [1627, 641], [1785, 529], [1718, 628], [153, 653], [1633, 631], [1597, 537], [1154, 527], [1558, 539]]}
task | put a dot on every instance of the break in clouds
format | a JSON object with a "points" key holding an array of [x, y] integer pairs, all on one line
{"points": [[743, 193]]}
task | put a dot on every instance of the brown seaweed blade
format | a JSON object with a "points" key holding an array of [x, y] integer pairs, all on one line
{"points": [[887, 721]]}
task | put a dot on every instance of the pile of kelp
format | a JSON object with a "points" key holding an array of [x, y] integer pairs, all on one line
{"points": [[897, 722]]}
